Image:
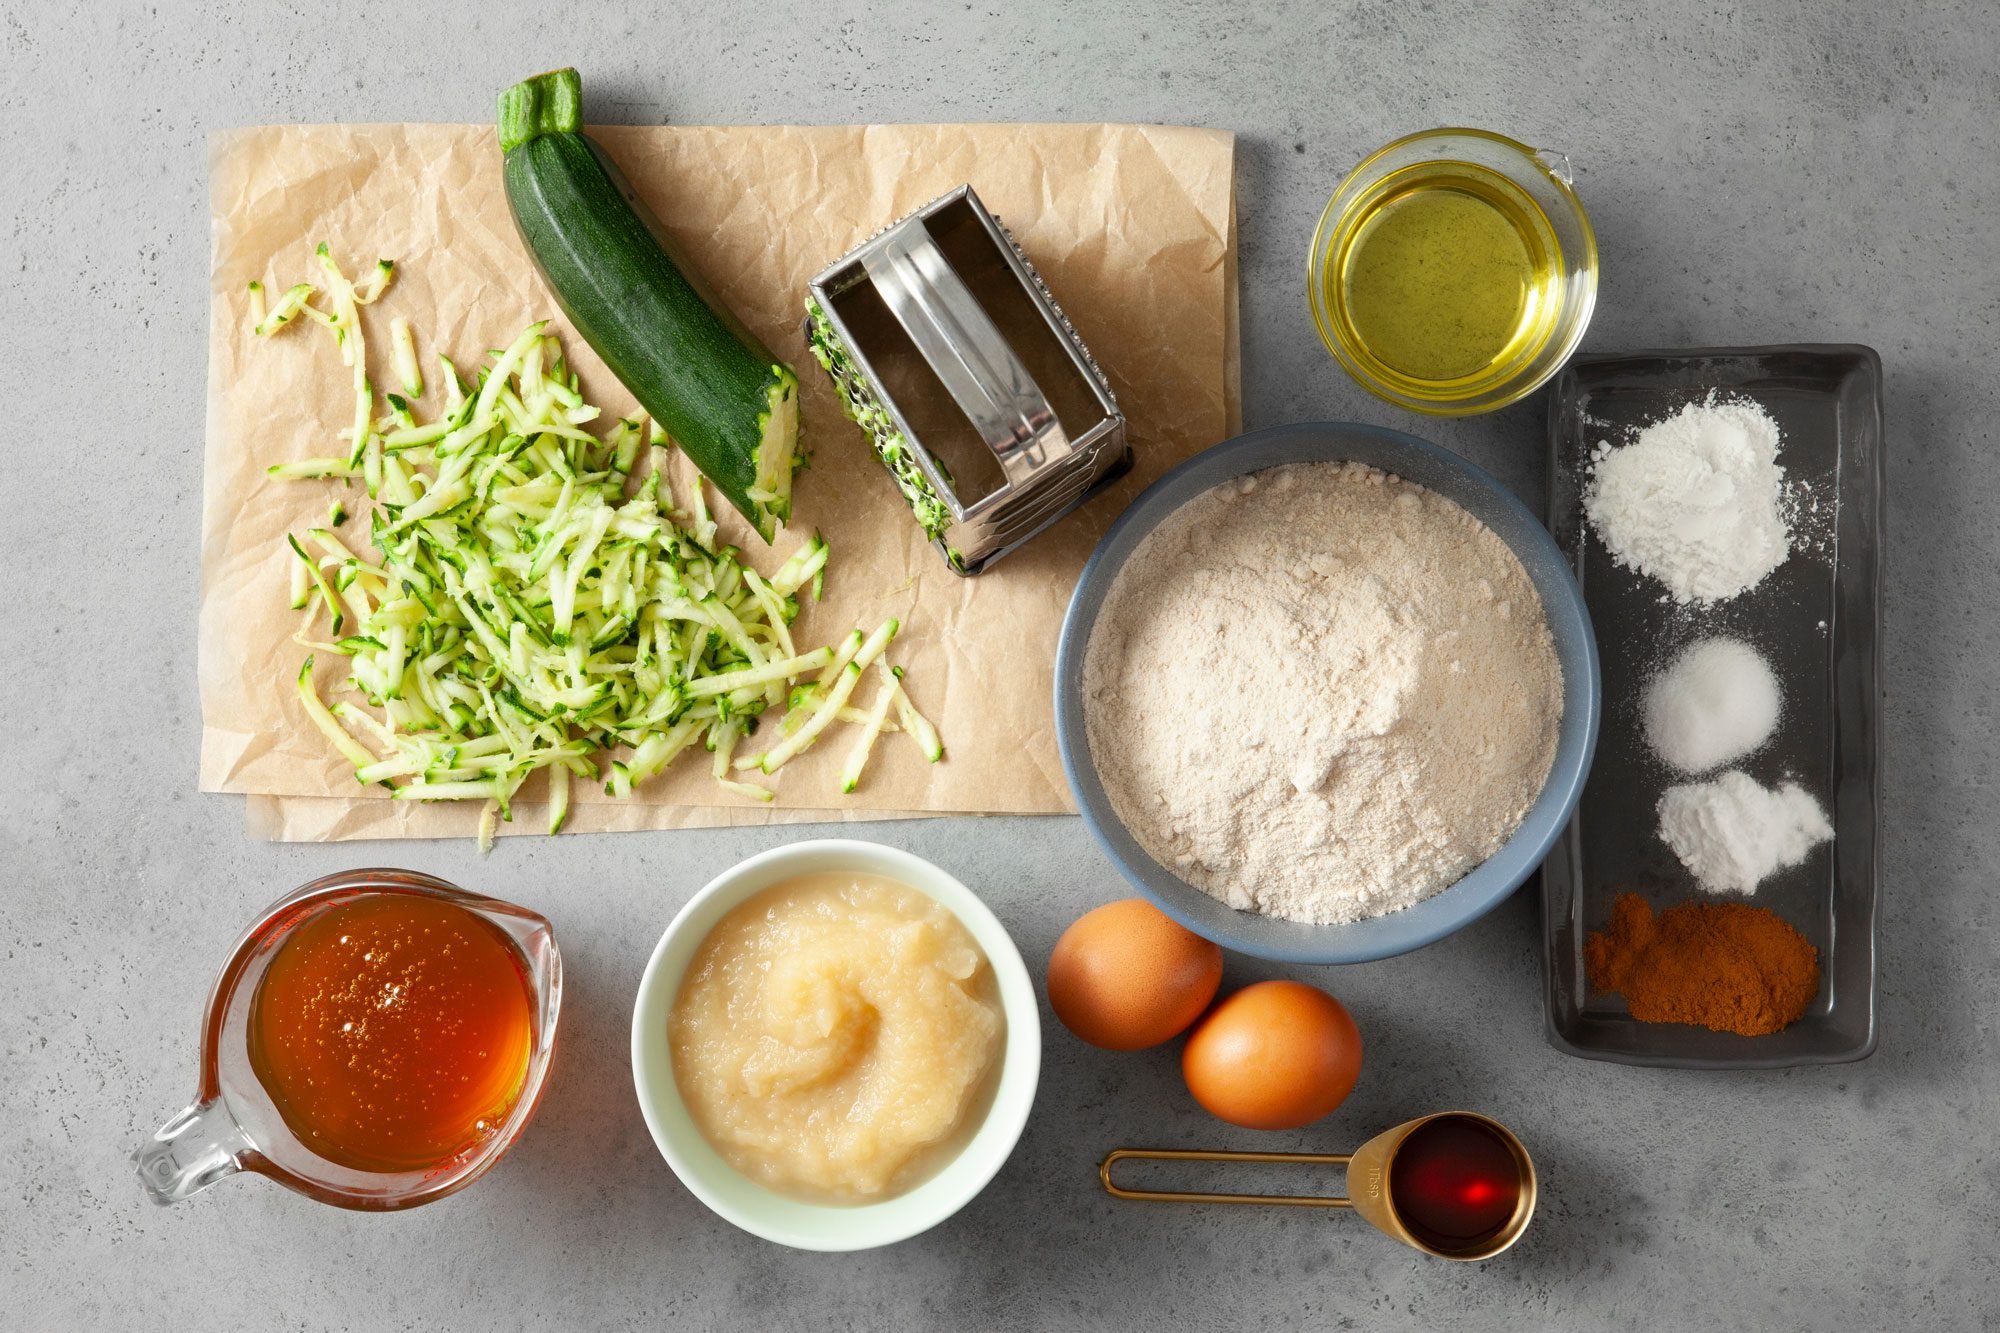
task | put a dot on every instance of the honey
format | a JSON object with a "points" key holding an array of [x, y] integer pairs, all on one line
{"points": [[393, 1031]]}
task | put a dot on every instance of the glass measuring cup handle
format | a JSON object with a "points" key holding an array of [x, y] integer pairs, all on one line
{"points": [[190, 1152]]}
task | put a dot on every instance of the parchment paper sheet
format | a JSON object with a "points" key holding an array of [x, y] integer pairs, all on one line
{"points": [[1132, 226]]}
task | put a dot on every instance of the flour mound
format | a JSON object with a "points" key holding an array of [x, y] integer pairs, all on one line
{"points": [[1322, 693], [1696, 501], [1733, 833]]}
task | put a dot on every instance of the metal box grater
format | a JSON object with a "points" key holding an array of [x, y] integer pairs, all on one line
{"points": [[908, 324]]}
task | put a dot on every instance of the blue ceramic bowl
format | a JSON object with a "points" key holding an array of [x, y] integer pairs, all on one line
{"points": [[1576, 650]]}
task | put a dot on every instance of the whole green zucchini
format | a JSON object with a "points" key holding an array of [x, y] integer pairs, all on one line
{"points": [[731, 406]]}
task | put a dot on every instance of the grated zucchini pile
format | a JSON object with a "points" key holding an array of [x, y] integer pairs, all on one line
{"points": [[533, 603]]}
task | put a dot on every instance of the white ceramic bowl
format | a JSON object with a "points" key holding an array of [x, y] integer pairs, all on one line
{"points": [[734, 1196]]}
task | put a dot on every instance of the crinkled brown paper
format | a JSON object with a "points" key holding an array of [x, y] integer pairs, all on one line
{"points": [[1133, 227]]}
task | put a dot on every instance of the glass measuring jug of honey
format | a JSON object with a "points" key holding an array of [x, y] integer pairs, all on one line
{"points": [[376, 1040], [1454, 271]]}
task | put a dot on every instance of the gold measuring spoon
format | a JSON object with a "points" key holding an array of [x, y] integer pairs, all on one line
{"points": [[1456, 1184]]}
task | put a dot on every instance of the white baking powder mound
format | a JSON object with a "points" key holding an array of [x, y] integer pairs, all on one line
{"points": [[1717, 702], [1696, 501], [1732, 833]]}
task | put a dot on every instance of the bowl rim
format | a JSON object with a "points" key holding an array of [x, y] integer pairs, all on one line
{"points": [[773, 1216], [1481, 889]]}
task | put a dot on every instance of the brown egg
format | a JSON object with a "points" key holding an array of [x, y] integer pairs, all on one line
{"points": [[1275, 1055], [1124, 976]]}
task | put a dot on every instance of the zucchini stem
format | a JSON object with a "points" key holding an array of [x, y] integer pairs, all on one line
{"points": [[550, 103]]}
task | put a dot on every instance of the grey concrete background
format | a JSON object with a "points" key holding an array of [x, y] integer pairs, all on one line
{"points": [[1758, 173]]}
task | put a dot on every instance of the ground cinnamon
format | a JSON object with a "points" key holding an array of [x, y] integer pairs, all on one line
{"points": [[1727, 966]]}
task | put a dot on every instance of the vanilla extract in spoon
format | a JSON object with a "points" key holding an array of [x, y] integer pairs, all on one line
{"points": [[1456, 1184]]}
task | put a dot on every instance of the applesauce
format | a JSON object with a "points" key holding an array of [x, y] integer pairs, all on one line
{"points": [[837, 1037]]}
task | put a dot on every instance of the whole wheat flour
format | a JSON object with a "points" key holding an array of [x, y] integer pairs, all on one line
{"points": [[1322, 693]]}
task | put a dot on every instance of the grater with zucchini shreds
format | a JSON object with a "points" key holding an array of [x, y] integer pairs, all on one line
{"points": [[992, 435]]}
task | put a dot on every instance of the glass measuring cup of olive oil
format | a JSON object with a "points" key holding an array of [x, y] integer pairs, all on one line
{"points": [[1454, 271]]}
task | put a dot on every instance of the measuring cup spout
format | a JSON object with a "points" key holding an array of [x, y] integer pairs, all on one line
{"points": [[1556, 163], [192, 1151]]}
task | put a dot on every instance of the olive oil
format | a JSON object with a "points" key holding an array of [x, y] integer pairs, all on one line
{"points": [[1445, 274]]}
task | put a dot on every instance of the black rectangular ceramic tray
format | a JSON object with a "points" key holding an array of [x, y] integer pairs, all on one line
{"points": [[1814, 619]]}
